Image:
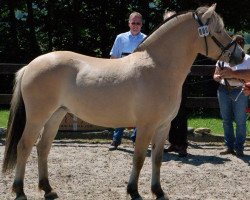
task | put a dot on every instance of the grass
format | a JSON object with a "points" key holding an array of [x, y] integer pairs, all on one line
{"points": [[214, 124], [4, 115], [194, 121]]}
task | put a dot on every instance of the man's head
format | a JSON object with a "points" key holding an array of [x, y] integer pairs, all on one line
{"points": [[240, 40], [135, 23], [168, 13]]}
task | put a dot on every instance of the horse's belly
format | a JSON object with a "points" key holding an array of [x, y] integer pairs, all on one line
{"points": [[107, 115]]}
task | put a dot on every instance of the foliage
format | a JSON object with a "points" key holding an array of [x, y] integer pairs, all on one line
{"points": [[31, 27]]}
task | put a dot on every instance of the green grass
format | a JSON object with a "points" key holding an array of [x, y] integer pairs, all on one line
{"points": [[194, 121], [4, 115], [214, 124]]}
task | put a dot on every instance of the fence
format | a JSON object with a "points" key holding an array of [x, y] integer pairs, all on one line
{"points": [[192, 102]]}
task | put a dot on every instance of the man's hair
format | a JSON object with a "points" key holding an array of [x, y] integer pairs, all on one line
{"points": [[239, 39], [168, 13], [134, 14]]}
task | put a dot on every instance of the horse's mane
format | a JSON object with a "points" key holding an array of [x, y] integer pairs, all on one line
{"points": [[163, 22], [199, 11]]}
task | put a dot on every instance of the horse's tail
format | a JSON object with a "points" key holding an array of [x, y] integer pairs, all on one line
{"points": [[16, 124]]}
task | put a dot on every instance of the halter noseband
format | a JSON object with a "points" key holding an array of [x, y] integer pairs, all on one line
{"points": [[204, 32]]}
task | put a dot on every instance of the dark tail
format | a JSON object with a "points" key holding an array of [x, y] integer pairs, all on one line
{"points": [[16, 124]]}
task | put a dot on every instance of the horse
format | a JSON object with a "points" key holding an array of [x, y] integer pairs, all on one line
{"points": [[91, 88]]}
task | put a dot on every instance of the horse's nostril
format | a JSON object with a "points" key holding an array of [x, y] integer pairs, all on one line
{"points": [[243, 55]]}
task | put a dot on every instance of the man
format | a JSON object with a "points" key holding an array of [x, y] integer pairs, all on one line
{"points": [[238, 74], [126, 43], [178, 130], [232, 102]]}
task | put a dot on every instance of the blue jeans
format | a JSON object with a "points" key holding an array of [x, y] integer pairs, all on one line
{"points": [[232, 110], [118, 133]]}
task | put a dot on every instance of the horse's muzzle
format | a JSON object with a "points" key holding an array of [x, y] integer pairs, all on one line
{"points": [[235, 60]]}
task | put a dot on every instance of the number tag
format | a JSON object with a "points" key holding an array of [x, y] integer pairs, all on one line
{"points": [[203, 31]]}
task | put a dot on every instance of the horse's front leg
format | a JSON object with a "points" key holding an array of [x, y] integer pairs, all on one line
{"points": [[158, 142], [143, 138]]}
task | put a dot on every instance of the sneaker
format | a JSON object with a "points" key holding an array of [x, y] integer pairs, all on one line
{"points": [[239, 154], [171, 148], [227, 151], [113, 146]]}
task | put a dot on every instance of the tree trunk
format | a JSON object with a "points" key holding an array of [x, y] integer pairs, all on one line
{"points": [[34, 47], [13, 48]]}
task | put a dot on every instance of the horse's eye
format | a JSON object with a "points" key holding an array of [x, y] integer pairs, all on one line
{"points": [[219, 31]]}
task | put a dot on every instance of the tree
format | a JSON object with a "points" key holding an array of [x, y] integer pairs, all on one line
{"points": [[90, 27]]}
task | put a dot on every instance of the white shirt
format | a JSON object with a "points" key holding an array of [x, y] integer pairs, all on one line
{"points": [[243, 66], [126, 43]]}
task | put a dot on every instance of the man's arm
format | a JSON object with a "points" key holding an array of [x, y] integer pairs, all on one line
{"points": [[216, 75], [246, 89], [238, 74]]}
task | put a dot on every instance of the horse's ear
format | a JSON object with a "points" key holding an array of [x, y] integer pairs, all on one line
{"points": [[208, 14]]}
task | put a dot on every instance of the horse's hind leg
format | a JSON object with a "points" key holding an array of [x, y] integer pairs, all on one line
{"points": [[143, 138], [158, 142], [24, 147], [43, 148]]}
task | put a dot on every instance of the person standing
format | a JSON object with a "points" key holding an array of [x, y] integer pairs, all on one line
{"points": [[233, 103], [178, 130], [125, 44]]}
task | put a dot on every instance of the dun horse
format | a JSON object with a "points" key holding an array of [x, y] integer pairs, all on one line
{"points": [[92, 88]]}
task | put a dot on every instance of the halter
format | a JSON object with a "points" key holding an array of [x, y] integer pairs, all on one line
{"points": [[204, 32]]}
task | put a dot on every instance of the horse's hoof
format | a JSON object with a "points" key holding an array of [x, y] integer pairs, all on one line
{"points": [[138, 198], [51, 195], [21, 197], [163, 198]]}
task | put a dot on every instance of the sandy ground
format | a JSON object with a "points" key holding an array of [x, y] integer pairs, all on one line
{"points": [[84, 171]]}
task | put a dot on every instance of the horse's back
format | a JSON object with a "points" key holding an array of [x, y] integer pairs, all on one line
{"points": [[95, 89]]}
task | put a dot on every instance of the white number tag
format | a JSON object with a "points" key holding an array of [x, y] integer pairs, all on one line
{"points": [[203, 31]]}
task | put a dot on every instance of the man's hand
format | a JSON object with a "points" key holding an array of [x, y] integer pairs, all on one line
{"points": [[246, 88], [226, 73]]}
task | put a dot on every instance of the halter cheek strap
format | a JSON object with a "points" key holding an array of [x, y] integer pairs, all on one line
{"points": [[203, 31]]}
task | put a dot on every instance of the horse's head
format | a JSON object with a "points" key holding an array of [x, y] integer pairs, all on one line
{"points": [[218, 44]]}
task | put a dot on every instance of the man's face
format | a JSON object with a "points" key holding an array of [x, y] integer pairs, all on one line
{"points": [[241, 42], [135, 25]]}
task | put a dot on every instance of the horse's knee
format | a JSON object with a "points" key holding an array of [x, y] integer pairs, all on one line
{"points": [[157, 191], [24, 146]]}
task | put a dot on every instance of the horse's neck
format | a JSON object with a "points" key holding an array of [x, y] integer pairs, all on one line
{"points": [[173, 46]]}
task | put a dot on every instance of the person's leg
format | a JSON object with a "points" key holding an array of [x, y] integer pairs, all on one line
{"points": [[117, 138], [226, 110], [181, 127], [178, 130], [239, 108], [133, 136]]}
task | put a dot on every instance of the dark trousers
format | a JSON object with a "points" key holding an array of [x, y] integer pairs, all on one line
{"points": [[178, 131]]}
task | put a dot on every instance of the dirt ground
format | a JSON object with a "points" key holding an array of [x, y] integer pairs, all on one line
{"points": [[84, 171]]}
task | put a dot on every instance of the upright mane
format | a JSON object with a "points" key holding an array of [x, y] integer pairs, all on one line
{"points": [[170, 22]]}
